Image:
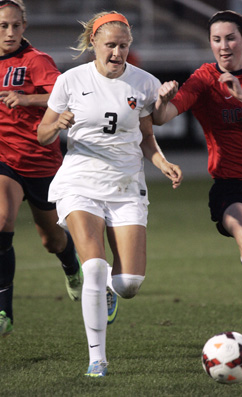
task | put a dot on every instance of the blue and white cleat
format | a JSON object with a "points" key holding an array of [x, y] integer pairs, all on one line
{"points": [[97, 369], [112, 302]]}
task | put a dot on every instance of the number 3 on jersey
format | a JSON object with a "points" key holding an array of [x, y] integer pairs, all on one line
{"points": [[112, 125]]}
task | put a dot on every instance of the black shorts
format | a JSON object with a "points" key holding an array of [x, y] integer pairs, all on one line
{"points": [[222, 194], [35, 189]]}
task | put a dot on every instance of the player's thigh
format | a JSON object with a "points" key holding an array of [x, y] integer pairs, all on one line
{"points": [[128, 245], [11, 197], [87, 231], [232, 219]]}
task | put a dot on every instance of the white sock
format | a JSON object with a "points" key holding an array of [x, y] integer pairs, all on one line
{"points": [[124, 285], [94, 307], [110, 277], [127, 285]]}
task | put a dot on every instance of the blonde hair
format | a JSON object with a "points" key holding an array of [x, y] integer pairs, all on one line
{"points": [[18, 3], [83, 40]]}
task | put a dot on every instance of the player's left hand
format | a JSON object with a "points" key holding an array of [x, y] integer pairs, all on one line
{"points": [[173, 172], [232, 83], [12, 99]]}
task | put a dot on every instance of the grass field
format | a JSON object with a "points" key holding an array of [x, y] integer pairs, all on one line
{"points": [[191, 292]]}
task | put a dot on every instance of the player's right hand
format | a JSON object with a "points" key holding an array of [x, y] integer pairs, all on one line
{"points": [[168, 90], [66, 120]]}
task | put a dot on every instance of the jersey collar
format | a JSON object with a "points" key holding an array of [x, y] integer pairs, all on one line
{"points": [[235, 73]]}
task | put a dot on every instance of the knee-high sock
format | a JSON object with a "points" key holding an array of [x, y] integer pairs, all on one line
{"points": [[68, 257], [109, 277], [7, 270], [94, 307]]}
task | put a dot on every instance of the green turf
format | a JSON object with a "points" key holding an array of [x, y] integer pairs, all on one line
{"points": [[191, 292]]}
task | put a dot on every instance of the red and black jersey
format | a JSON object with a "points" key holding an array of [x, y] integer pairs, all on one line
{"points": [[27, 71], [220, 116]]}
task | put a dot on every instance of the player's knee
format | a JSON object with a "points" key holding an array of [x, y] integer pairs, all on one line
{"points": [[95, 273], [127, 285], [6, 220], [49, 245], [54, 244]]}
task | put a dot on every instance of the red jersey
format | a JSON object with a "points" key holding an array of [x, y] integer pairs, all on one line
{"points": [[220, 116], [27, 71]]}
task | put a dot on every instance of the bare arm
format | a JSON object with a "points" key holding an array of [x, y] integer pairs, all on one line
{"points": [[233, 85], [153, 153], [164, 110], [52, 124], [12, 99]]}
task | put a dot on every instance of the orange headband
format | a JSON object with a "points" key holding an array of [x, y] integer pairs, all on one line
{"points": [[108, 18]]}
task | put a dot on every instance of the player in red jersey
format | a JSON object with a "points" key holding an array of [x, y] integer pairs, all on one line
{"points": [[213, 93], [26, 168]]}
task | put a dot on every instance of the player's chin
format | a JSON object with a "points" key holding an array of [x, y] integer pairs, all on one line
{"points": [[117, 69]]}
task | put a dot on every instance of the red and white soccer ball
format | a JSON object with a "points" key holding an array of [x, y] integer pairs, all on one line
{"points": [[222, 357]]}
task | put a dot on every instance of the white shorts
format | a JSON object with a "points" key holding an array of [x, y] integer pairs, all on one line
{"points": [[114, 213]]}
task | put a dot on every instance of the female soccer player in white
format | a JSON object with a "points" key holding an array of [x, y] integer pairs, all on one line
{"points": [[107, 106]]}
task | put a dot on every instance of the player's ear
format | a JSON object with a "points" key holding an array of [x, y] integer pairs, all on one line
{"points": [[92, 39], [24, 26]]}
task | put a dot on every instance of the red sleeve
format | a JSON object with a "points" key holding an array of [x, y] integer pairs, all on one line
{"points": [[44, 72], [192, 90]]}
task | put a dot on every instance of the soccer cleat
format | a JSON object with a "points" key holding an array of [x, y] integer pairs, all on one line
{"points": [[5, 324], [74, 285], [97, 369], [112, 302]]}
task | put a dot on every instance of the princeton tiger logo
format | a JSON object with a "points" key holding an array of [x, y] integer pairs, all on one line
{"points": [[132, 102]]}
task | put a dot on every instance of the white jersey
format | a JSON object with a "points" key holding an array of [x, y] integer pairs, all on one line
{"points": [[104, 160]]}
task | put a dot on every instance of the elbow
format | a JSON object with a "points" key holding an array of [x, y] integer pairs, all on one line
{"points": [[44, 142], [43, 137], [41, 141], [40, 138], [159, 123], [156, 120]]}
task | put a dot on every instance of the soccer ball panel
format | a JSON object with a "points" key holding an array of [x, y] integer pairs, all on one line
{"points": [[222, 357]]}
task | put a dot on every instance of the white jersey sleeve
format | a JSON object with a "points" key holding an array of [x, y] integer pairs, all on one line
{"points": [[62, 94]]}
